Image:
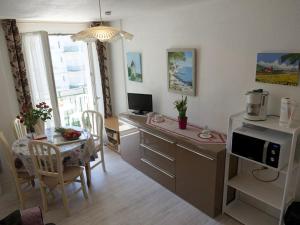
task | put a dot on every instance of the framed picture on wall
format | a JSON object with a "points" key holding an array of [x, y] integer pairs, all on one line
{"points": [[181, 64], [278, 68], [134, 66]]}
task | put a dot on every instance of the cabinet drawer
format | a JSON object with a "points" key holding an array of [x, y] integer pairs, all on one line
{"points": [[157, 158], [156, 173], [158, 143]]}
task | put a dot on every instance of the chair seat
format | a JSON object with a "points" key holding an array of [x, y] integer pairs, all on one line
{"points": [[24, 175], [70, 174]]}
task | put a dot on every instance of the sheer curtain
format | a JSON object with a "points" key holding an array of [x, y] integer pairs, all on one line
{"points": [[40, 72]]}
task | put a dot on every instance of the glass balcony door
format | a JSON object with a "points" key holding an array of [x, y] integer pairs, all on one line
{"points": [[72, 77]]}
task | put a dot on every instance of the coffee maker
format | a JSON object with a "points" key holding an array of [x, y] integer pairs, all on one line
{"points": [[256, 105]]}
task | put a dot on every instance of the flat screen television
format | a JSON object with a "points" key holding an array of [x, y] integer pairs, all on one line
{"points": [[140, 103]]}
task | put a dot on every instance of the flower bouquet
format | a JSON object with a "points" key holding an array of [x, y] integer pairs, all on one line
{"points": [[34, 118]]}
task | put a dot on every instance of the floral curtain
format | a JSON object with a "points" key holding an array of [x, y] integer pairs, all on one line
{"points": [[17, 63], [102, 58]]}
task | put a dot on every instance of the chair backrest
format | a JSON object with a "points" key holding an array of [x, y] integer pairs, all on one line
{"points": [[20, 129], [92, 121], [9, 158], [47, 159]]}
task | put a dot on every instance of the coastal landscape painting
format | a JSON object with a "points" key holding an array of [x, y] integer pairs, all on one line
{"points": [[181, 71], [134, 66], [278, 68]]}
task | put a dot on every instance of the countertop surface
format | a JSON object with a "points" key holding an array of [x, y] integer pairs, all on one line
{"points": [[140, 122]]}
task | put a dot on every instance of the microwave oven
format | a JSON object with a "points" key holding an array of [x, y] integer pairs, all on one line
{"points": [[262, 145]]}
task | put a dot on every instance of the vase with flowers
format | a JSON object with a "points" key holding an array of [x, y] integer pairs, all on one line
{"points": [[34, 118], [181, 106]]}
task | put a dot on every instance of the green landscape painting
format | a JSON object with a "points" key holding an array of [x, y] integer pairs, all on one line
{"points": [[278, 68], [134, 66]]}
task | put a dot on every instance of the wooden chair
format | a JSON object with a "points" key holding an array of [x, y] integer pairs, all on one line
{"points": [[20, 176], [92, 121], [48, 164], [19, 128]]}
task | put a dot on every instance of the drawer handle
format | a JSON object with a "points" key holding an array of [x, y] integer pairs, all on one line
{"points": [[157, 152], [190, 150], [155, 135], [126, 135], [157, 168]]}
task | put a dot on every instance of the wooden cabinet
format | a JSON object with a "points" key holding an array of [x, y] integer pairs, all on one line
{"points": [[196, 179], [192, 171]]}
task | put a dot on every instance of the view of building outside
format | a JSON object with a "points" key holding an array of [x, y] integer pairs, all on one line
{"points": [[72, 78]]}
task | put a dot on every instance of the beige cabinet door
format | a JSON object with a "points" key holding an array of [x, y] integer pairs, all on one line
{"points": [[196, 178], [130, 148]]}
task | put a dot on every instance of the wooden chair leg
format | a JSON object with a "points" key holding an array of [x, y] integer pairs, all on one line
{"points": [[83, 186], [19, 193], [51, 193], [21, 197], [65, 200], [44, 198], [88, 173], [102, 159], [32, 183]]}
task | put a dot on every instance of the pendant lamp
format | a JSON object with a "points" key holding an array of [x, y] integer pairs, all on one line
{"points": [[101, 33]]}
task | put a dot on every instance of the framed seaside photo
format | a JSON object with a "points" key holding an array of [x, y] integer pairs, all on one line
{"points": [[181, 71], [134, 66], [278, 68]]}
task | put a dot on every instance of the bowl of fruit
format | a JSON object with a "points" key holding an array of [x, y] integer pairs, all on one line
{"points": [[69, 134]]}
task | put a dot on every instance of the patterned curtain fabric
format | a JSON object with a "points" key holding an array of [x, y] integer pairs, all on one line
{"points": [[17, 63], [102, 58]]}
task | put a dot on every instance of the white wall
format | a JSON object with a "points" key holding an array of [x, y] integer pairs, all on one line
{"points": [[9, 107], [52, 27], [227, 35]]}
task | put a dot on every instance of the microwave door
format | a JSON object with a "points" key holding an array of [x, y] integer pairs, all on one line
{"points": [[248, 147]]}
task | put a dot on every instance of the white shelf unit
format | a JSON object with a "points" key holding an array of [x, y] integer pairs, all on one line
{"points": [[249, 215], [265, 192], [284, 170], [276, 196]]}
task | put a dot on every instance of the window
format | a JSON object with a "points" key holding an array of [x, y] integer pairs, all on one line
{"points": [[61, 73], [72, 78]]}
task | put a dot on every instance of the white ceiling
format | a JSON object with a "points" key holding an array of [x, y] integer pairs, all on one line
{"points": [[82, 10]]}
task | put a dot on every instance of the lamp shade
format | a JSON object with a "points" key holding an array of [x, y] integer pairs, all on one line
{"points": [[102, 33]]}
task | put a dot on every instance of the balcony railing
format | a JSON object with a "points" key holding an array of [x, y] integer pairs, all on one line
{"points": [[72, 103]]}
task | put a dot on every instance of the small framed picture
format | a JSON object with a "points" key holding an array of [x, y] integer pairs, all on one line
{"points": [[181, 65], [134, 66]]}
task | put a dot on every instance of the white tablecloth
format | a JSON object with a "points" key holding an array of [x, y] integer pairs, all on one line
{"points": [[74, 154]]}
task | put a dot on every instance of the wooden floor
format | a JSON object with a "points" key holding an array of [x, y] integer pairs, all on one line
{"points": [[122, 196]]}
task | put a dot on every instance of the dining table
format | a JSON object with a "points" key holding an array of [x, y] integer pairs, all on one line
{"points": [[74, 152]]}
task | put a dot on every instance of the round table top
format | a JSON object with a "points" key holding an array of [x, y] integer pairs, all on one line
{"points": [[20, 146]]}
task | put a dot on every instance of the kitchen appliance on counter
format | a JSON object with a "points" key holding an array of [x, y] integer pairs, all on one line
{"points": [[262, 145], [256, 105]]}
